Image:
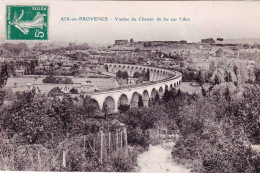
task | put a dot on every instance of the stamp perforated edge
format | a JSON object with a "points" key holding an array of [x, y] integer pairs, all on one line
{"points": [[28, 4]]}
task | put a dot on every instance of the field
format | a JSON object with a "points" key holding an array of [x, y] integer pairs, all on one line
{"points": [[19, 83]]}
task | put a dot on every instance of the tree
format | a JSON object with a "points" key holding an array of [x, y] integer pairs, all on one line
{"points": [[106, 67], [203, 91], [3, 75], [140, 101], [200, 78], [74, 91], [205, 125], [105, 108], [122, 75], [219, 53], [257, 75], [228, 77], [147, 75], [75, 69], [55, 92], [68, 81], [119, 74], [247, 113], [235, 69], [216, 80], [32, 65], [170, 95], [89, 107], [125, 75], [137, 75], [3, 79], [227, 95], [156, 99], [123, 108]]}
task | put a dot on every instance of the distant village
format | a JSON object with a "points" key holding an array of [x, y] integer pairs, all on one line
{"points": [[84, 61]]}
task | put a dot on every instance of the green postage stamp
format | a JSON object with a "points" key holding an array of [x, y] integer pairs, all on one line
{"points": [[27, 22]]}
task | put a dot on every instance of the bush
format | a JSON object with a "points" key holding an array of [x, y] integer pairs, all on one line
{"points": [[211, 135], [55, 92], [74, 91], [57, 80], [121, 165], [123, 108]]}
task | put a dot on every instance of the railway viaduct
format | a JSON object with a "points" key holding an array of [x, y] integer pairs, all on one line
{"points": [[160, 80]]}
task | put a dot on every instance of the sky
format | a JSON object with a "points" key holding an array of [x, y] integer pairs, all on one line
{"points": [[225, 19]]}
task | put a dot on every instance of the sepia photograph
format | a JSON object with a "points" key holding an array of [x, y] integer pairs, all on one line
{"points": [[130, 86]]}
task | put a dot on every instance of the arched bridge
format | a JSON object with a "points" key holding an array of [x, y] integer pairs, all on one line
{"points": [[159, 81]]}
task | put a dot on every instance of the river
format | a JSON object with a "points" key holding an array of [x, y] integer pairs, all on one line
{"points": [[158, 159]]}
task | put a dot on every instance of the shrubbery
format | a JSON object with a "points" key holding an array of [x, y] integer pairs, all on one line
{"points": [[213, 138], [57, 80]]}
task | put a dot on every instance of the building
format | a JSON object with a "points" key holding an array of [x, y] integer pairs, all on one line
{"points": [[121, 42], [132, 80], [65, 88], [19, 72], [208, 40]]}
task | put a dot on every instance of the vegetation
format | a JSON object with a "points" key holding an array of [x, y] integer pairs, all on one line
{"points": [[4, 75], [216, 128], [57, 80], [74, 91], [35, 123], [122, 77], [55, 92]]}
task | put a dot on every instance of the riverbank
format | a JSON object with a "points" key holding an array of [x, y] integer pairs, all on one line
{"points": [[158, 158]]}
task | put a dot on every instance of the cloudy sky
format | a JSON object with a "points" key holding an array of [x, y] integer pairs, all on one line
{"points": [[207, 19]]}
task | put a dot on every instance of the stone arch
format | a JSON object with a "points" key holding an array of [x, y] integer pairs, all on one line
{"points": [[174, 85], [110, 68], [160, 92], [128, 70], [154, 75], [170, 86], [123, 100], [119, 68], [135, 99], [166, 88], [140, 69], [132, 70], [95, 102], [160, 75], [145, 98], [153, 93], [114, 69], [109, 104], [151, 76], [164, 74]]}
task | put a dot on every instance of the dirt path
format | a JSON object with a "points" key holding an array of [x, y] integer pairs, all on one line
{"points": [[158, 159]]}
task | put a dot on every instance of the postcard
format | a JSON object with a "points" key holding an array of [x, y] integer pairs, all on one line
{"points": [[130, 86]]}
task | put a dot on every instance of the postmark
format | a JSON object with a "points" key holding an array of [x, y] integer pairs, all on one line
{"points": [[27, 22]]}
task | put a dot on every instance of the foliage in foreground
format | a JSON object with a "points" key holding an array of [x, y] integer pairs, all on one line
{"points": [[216, 134]]}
